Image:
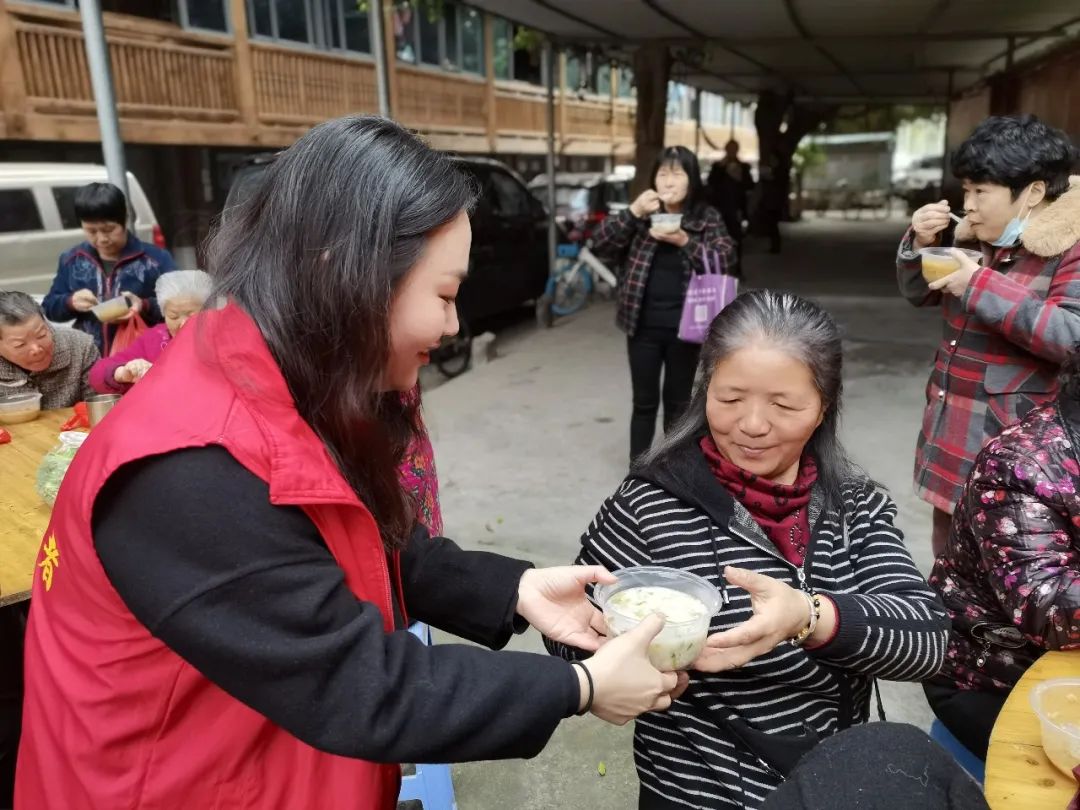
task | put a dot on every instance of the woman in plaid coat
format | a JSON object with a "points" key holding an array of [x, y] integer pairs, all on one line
{"points": [[1009, 320], [654, 270]]}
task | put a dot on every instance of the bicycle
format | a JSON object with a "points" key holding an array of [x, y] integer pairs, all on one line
{"points": [[571, 283]]}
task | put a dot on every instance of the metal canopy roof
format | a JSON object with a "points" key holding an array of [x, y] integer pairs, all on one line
{"points": [[829, 50]]}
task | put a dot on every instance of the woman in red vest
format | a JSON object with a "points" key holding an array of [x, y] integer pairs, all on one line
{"points": [[221, 601]]}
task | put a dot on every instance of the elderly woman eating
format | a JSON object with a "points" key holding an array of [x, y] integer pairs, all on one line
{"points": [[180, 294], [753, 492], [38, 357]]}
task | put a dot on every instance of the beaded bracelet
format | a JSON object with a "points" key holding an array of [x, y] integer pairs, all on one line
{"points": [[814, 602]]}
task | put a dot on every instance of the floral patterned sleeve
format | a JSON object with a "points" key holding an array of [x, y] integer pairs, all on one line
{"points": [[1019, 524]]}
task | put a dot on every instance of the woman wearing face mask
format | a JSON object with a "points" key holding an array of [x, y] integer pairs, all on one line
{"points": [[654, 271], [1011, 319]]}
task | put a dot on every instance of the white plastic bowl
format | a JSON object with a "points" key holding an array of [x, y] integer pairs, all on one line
{"points": [[1057, 705], [17, 408], [679, 643], [666, 223]]}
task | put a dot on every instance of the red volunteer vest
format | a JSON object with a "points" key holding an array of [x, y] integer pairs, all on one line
{"points": [[114, 719]]}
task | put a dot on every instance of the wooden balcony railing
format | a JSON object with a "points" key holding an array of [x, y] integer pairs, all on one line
{"points": [[179, 86], [151, 79], [428, 100], [297, 87]]}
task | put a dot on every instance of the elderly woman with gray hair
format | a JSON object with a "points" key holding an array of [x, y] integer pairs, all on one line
{"points": [[180, 294], [37, 357], [753, 491]]}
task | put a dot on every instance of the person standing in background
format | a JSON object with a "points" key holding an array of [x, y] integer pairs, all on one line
{"points": [[730, 184], [654, 270], [112, 261]]}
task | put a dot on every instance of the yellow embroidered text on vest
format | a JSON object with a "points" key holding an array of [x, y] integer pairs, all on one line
{"points": [[51, 561]]}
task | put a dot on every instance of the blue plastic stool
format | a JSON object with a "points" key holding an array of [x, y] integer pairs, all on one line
{"points": [[967, 760], [431, 785]]}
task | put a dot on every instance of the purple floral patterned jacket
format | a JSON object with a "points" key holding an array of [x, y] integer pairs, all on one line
{"points": [[1010, 574]]}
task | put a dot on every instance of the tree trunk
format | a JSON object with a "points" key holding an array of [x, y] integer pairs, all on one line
{"points": [[652, 70], [777, 148]]}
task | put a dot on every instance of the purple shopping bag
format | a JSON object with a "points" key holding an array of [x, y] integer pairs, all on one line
{"points": [[706, 295]]}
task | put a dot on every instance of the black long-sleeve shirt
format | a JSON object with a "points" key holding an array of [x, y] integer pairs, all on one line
{"points": [[248, 593]]}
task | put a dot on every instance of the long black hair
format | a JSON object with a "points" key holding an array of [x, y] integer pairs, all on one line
{"points": [[314, 254], [686, 160], [806, 332]]}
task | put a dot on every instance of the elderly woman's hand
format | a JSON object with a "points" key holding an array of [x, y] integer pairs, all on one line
{"points": [[132, 371], [780, 613]]}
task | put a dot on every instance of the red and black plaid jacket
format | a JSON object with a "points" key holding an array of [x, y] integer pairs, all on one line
{"points": [[1003, 343], [624, 242]]}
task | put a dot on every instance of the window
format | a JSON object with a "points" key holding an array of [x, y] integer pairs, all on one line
{"points": [[405, 32], [260, 18], [504, 49], [357, 27], [331, 25], [450, 36], [626, 83], [429, 37], [65, 203], [471, 26], [207, 14], [451, 45], [18, 211], [292, 20], [510, 198]]}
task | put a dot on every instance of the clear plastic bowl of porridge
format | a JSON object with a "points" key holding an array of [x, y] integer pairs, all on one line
{"points": [[688, 603], [666, 223], [18, 408], [1057, 705], [938, 262]]}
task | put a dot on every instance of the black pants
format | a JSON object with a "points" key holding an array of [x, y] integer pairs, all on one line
{"points": [[652, 352], [967, 713], [12, 631], [733, 224]]}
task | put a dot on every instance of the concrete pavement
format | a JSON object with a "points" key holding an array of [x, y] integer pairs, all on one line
{"points": [[529, 446]]}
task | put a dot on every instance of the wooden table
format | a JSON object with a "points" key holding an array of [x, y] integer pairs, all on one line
{"points": [[1018, 774], [23, 515]]}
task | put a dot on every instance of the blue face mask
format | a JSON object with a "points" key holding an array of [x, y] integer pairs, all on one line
{"points": [[1015, 229]]}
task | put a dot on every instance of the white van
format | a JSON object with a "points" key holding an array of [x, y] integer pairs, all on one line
{"points": [[38, 222]]}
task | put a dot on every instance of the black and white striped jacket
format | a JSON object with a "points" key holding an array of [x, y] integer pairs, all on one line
{"points": [[891, 624]]}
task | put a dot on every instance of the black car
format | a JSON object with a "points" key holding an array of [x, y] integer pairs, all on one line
{"points": [[508, 265]]}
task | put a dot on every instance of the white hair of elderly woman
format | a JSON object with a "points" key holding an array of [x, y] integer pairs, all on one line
{"points": [[183, 284]]}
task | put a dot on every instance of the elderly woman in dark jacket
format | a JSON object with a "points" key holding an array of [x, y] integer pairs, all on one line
{"points": [[654, 270], [1010, 574]]}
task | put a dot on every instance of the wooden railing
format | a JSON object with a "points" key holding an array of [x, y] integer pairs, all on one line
{"points": [[293, 86], [252, 92], [153, 80], [441, 101]]}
